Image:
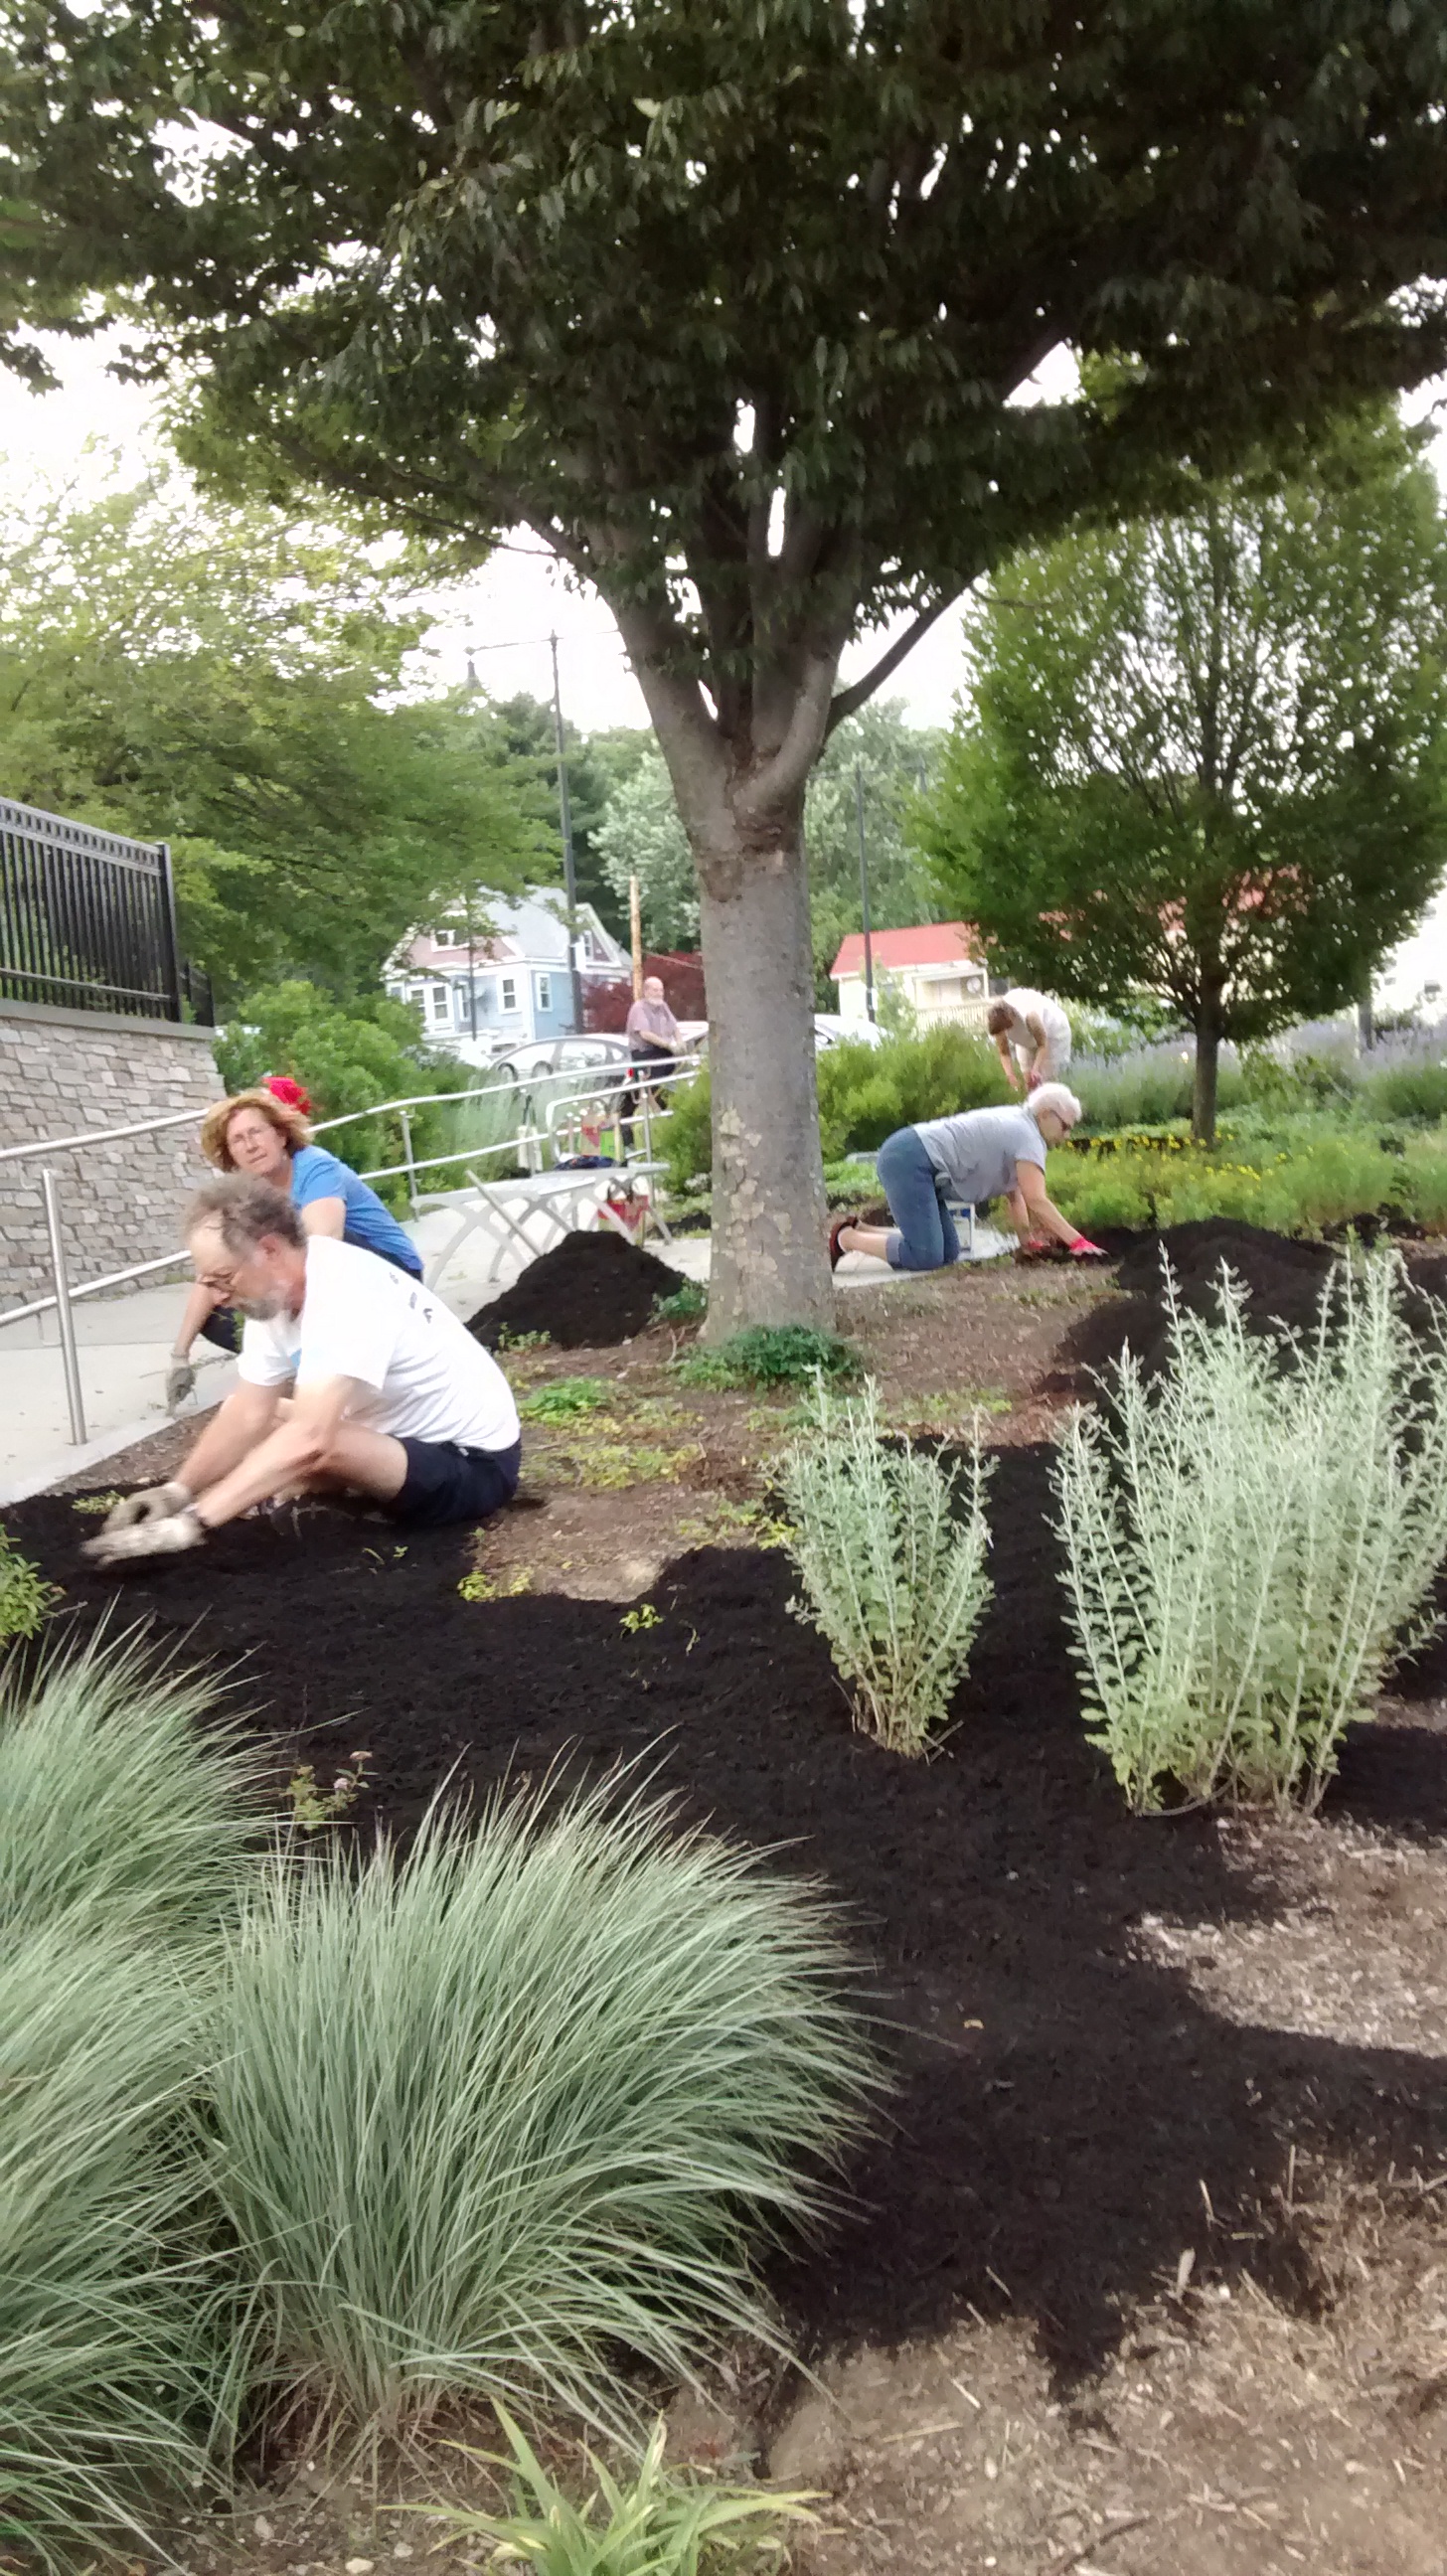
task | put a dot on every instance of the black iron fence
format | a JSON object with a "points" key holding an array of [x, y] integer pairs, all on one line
{"points": [[88, 919]]}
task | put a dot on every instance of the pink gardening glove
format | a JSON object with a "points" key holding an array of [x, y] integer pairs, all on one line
{"points": [[1035, 1248], [1082, 1249]]}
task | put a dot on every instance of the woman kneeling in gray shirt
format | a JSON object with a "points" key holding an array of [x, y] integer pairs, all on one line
{"points": [[982, 1154]]}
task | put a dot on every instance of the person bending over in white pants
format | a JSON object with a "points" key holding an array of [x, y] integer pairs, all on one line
{"points": [[394, 1398], [1032, 1032]]}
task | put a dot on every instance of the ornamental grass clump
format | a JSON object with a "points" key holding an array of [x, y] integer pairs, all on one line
{"points": [[126, 1801], [889, 1546], [489, 2117], [1250, 1541], [105, 2348]]}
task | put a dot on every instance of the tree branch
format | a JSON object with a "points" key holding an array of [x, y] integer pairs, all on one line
{"points": [[848, 700]]}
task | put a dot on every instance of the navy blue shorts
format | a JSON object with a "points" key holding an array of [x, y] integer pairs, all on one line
{"points": [[445, 1483]]}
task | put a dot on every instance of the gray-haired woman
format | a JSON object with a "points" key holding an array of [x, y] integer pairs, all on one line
{"points": [[981, 1154]]}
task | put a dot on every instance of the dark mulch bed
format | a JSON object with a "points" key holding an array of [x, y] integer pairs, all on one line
{"points": [[591, 1289], [1283, 1275], [1063, 2102]]}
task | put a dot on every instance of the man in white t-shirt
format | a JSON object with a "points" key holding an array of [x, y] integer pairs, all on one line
{"points": [[1031, 1030], [393, 1397]]}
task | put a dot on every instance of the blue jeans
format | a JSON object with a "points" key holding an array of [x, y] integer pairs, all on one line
{"points": [[926, 1237]]}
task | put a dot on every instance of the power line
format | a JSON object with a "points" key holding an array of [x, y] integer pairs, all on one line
{"points": [[516, 643]]}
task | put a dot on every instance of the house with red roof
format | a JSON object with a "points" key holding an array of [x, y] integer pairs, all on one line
{"points": [[937, 968]]}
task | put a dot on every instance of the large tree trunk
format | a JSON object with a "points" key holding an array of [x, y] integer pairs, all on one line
{"points": [[769, 1263], [741, 800], [1203, 1094]]}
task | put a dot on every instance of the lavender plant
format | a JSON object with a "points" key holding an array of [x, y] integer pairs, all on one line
{"points": [[889, 1546], [1250, 1542]]}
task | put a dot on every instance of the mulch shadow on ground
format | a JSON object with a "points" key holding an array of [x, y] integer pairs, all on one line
{"points": [[1062, 2101], [591, 1290]]}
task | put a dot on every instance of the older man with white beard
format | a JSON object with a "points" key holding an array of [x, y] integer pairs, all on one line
{"points": [[393, 1397]]}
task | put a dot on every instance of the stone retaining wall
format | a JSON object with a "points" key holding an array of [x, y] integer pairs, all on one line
{"points": [[62, 1072]]}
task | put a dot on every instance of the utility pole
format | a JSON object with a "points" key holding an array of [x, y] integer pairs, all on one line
{"points": [[565, 821], [864, 893]]}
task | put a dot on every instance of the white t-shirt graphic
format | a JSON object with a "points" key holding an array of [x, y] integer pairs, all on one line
{"points": [[423, 1375]]}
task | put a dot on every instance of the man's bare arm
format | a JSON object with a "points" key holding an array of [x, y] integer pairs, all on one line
{"points": [[244, 1419], [297, 1448]]}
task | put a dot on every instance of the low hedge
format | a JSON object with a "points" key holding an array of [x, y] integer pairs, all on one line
{"points": [[1330, 1179]]}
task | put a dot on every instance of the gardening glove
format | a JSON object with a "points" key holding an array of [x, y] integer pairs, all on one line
{"points": [[180, 1382], [168, 1536], [153, 1503], [1035, 1248], [1082, 1249]]}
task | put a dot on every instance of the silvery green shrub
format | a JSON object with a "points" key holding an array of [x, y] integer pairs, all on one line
{"points": [[1252, 1540], [889, 1546]]}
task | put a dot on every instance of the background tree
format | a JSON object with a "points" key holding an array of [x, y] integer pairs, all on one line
{"points": [[211, 677], [1207, 762], [598, 764], [642, 834], [734, 306], [895, 761]]}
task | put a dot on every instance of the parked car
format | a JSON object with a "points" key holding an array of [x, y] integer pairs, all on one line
{"points": [[585, 1052], [831, 1031]]}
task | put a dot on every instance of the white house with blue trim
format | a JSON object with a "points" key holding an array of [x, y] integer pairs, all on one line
{"points": [[499, 977]]}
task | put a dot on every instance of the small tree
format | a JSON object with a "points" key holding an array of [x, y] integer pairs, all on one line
{"points": [[734, 302], [1207, 759]]}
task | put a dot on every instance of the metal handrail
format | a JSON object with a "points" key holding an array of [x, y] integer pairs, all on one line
{"points": [[321, 1127], [595, 1083]]}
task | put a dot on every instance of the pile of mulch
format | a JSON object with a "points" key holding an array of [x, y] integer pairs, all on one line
{"points": [[1283, 1276], [591, 1289], [1064, 2101]]}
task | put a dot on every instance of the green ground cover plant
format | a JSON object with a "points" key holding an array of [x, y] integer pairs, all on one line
{"points": [[770, 1355], [658, 2522], [685, 1305], [489, 2116], [889, 1546], [26, 1599], [563, 1399], [1249, 1543]]}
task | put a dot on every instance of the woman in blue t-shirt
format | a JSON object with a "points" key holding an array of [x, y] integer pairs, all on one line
{"points": [[268, 1138]]}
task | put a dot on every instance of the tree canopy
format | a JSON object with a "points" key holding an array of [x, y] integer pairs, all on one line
{"points": [[1206, 762], [737, 303], [211, 677]]}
